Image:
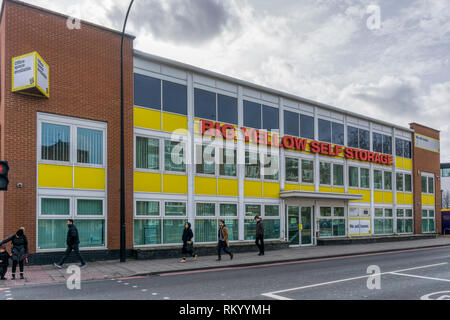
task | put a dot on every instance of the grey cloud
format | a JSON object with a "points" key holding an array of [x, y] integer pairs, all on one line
{"points": [[180, 21]]}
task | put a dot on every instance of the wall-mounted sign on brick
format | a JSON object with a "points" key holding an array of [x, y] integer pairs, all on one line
{"points": [[30, 75]]}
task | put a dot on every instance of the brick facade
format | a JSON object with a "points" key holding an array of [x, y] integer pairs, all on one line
{"points": [[84, 83], [425, 161]]}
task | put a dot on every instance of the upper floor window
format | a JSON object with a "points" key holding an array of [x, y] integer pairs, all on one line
{"points": [[427, 184], [298, 125], [57, 140], [402, 148], [332, 132], [358, 138], [147, 153], [382, 143], [260, 116], [147, 92], [174, 97], [216, 107]]}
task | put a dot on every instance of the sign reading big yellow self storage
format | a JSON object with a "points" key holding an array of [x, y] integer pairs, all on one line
{"points": [[30, 75]]}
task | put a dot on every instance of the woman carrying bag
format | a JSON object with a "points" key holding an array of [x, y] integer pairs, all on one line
{"points": [[188, 245]]}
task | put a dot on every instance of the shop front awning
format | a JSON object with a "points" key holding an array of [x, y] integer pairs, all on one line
{"points": [[319, 195]]}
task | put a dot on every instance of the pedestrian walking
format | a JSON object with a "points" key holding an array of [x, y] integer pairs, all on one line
{"points": [[223, 241], [188, 245], [19, 250], [4, 261], [73, 241], [259, 240]]}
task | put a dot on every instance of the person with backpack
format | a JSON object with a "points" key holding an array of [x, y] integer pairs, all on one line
{"points": [[73, 241], [188, 245]]}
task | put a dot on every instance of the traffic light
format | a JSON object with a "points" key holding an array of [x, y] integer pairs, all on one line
{"points": [[4, 168]]}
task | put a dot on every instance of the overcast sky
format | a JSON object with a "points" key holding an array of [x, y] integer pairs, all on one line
{"points": [[331, 51]]}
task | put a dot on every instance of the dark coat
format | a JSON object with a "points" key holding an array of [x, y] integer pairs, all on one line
{"points": [[4, 258], [187, 234], [260, 229], [19, 246], [72, 236]]}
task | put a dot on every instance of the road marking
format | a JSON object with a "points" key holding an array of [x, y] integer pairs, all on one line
{"points": [[144, 290], [275, 295], [132, 278], [443, 295], [275, 264], [421, 277], [135, 287]]}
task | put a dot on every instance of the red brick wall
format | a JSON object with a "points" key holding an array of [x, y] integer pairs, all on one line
{"points": [[425, 161], [84, 83]]}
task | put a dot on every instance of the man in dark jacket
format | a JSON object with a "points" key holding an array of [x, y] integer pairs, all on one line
{"points": [[73, 241], [259, 241]]}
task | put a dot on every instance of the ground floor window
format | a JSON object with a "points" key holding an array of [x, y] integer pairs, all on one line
{"points": [[270, 215], [88, 215], [428, 221], [151, 226], [332, 222], [383, 221], [404, 221]]}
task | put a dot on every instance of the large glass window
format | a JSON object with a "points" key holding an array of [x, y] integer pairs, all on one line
{"points": [[205, 104], [271, 166], [338, 175], [227, 109], [174, 97], [147, 231], [387, 144], [404, 221], [358, 138], [352, 137], [331, 222], [175, 208], [337, 134], [89, 207], [306, 126], [55, 142], [378, 179], [172, 230], [147, 153], [270, 118], [353, 177], [227, 166], [365, 178], [325, 173], [387, 180], [89, 146], [408, 182], [55, 207], [399, 181], [377, 142], [364, 139], [291, 123], [324, 130], [428, 221], [307, 171], [147, 92], [205, 159], [402, 148], [147, 208], [383, 221], [292, 169], [252, 165], [271, 220], [252, 114], [174, 156], [430, 185]]}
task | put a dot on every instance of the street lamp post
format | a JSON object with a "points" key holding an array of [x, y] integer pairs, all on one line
{"points": [[122, 150]]}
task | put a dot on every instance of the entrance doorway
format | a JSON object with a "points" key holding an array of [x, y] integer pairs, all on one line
{"points": [[300, 225]]}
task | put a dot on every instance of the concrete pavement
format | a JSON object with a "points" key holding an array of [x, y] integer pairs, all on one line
{"points": [[113, 269]]}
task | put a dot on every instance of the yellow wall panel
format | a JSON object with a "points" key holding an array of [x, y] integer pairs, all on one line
{"points": [[173, 183], [400, 198], [388, 197], [147, 118], [407, 164], [399, 162], [173, 122], [338, 190], [51, 176], [308, 188], [378, 196], [147, 182], [90, 178], [271, 190], [353, 191], [228, 187], [366, 195], [408, 198], [291, 187], [253, 189], [206, 186], [325, 189]]}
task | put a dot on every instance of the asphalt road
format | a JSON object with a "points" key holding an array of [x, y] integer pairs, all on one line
{"points": [[414, 274]]}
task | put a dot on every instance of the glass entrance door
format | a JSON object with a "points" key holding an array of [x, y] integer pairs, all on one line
{"points": [[299, 225]]}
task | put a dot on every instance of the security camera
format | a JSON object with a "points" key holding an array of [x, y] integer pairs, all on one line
{"points": [[19, 185]]}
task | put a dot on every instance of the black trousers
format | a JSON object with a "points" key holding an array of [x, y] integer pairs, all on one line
{"points": [[222, 245], [69, 249], [187, 250], [3, 270], [14, 266], [260, 243]]}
